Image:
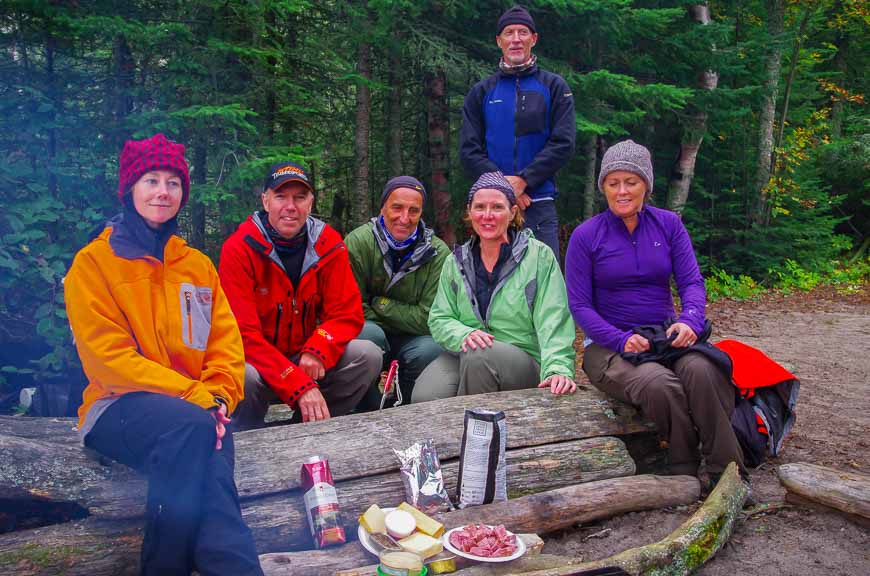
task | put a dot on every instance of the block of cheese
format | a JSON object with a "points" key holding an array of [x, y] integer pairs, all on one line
{"points": [[373, 520], [425, 524], [421, 544]]}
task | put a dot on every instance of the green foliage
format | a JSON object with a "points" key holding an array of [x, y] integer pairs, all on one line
{"points": [[245, 84], [721, 285]]}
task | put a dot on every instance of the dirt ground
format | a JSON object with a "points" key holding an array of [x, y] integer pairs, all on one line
{"points": [[824, 338]]}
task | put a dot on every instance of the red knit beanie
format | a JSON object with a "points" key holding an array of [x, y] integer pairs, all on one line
{"points": [[155, 153]]}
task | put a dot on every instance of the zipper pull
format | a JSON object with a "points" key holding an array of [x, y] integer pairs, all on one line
{"points": [[295, 310]]}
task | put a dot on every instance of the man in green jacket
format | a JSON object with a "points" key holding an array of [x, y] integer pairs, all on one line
{"points": [[397, 261]]}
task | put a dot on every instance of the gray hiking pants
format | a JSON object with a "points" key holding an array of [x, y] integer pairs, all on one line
{"points": [[343, 387], [499, 367]]}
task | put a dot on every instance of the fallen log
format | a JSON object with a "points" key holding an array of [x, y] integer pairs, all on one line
{"points": [[111, 490], [818, 487], [268, 460], [534, 418], [278, 521], [686, 548], [264, 456], [538, 513]]}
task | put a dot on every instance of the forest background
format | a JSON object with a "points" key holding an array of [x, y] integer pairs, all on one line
{"points": [[755, 112]]}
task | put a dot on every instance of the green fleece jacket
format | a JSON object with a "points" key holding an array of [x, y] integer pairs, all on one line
{"points": [[529, 306], [397, 300]]}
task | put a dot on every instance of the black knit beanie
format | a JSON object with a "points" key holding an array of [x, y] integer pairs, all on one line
{"points": [[516, 15], [402, 182]]}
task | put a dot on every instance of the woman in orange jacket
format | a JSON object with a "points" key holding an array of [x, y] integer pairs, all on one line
{"points": [[165, 364]]}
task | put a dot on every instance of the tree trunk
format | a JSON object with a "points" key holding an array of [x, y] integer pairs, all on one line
{"points": [[788, 84], [590, 190], [122, 76], [686, 548], [773, 63], [820, 487], [394, 118], [439, 130], [197, 207], [694, 128], [51, 91], [361, 205]]}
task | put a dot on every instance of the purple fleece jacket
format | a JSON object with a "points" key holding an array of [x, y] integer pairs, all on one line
{"points": [[617, 281]]}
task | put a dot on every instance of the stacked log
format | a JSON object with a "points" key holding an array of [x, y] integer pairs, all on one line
{"points": [[822, 488], [553, 441]]}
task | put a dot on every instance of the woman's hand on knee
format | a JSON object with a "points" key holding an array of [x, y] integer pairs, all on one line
{"points": [[558, 384], [220, 424], [685, 335], [636, 344], [477, 339]]}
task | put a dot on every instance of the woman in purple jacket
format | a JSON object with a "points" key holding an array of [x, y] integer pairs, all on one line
{"points": [[618, 271]]}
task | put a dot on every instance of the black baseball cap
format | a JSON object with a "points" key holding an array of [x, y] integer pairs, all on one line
{"points": [[283, 172]]}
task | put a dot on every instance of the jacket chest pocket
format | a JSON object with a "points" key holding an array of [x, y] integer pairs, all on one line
{"points": [[196, 303], [531, 113]]}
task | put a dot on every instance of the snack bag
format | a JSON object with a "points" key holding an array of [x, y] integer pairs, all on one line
{"points": [[321, 503], [421, 475], [482, 467]]}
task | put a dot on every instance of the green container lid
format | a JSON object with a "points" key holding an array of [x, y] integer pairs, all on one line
{"points": [[423, 572]]}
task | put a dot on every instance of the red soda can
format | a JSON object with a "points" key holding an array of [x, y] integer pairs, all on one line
{"points": [[321, 503]]}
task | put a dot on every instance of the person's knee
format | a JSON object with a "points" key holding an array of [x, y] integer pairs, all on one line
{"points": [[440, 379], [420, 353], [370, 354], [698, 373], [371, 332]]}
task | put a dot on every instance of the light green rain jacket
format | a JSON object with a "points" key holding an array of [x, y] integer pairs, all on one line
{"points": [[529, 306]]}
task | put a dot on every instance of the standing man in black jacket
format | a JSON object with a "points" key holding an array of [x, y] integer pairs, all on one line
{"points": [[521, 121]]}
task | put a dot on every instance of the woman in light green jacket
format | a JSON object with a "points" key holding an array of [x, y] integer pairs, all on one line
{"points": [[501, 310]]}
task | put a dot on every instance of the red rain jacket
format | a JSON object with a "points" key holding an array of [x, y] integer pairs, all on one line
{"points": [[277, 321]]}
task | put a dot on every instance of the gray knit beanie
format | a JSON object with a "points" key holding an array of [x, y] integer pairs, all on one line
{"points": [[493, 181], [631, 157]]}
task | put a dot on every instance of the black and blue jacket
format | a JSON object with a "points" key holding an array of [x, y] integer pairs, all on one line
{"points": [[522, 124]]}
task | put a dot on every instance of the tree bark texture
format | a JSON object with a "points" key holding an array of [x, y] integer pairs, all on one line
{"points": [[841, 491], [197, 207], [53, 473], [694, 128], [394, 117], [590, 190], [361, 205], [123, 68], [263, 457], [439, 155], [773, 63], [686, 548]]}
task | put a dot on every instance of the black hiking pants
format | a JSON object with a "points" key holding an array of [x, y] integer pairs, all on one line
{"points": [[193, 517]]}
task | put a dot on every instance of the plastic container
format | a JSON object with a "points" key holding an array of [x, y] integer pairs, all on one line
{"points": [[400, 563]]}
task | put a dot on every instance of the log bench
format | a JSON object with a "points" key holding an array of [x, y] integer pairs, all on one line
{"points": [[552, 442]]}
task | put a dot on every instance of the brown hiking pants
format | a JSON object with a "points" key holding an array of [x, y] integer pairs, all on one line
{"points": [[690, 405]]}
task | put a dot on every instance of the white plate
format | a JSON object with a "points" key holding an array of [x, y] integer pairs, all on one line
{"points": [[367, 542], [521, 548]]}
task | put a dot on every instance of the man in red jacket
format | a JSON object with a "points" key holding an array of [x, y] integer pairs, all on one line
{"points": [[288, 279]]}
